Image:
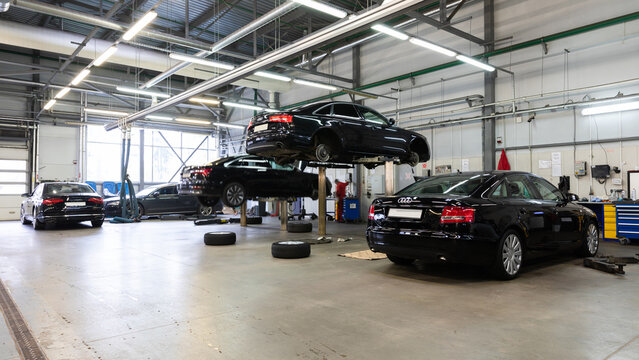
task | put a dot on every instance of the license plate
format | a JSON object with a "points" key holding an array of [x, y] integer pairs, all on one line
{"points": [[405, 213], [260, 128], [75, 203], [186, 175]]}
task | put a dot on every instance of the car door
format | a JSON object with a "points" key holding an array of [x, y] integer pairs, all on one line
{"points": [[355, 135], [32, 199], [387, 140], [288, 180], [253, 172], [567, 217], [169, 200]]}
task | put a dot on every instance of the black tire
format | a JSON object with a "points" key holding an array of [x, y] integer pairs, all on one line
{"points": [[203, 210], [141, 210], [206, 221], [290, 249], [207, 201], [97, 223], [400, 260], [234, 194], [253, 220], [299, 226], [219, 238], [37, 225], [590, 243], [315, 194], [509, 256], [23, 218], [413, 159]]}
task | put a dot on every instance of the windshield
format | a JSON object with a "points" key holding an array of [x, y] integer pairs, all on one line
{"points": [[146, 191], [56, 189], [446, 184]]}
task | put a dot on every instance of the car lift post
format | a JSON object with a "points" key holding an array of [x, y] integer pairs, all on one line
{"points": [[321, 198], [389, 178], [243, 214], [283, 215]]}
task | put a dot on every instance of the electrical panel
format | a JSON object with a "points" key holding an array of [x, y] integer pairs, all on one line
{"points": [[580, 168]]}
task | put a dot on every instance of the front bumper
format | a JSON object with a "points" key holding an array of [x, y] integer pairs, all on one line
{"points": [[422, 244]]}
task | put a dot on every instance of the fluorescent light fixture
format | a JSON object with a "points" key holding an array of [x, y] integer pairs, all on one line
{"points": [[139, 25], [229, 125], [314, 84], [78, 78], [105, 55], [242, 106], [272, 110], [159, 117], [142, 92], [197, 60], [204, 101], [471, 61], [634, 105], [273, 76], [193, 121], [109, 113], [390, 31], [49, 104], [62, 92], [431, 46], [338, 13]]}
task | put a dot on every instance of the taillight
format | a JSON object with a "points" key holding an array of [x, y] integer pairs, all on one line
{"points": [[457, 215], [371, 213], [52, 201], [250, 123], [204, 172], [281, 118], [96, 200]]}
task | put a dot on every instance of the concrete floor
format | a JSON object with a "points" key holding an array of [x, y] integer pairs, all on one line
{"points": [[154, 291]]}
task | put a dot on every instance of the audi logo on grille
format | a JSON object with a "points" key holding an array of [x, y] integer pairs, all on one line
{"points": [[405, 200]]}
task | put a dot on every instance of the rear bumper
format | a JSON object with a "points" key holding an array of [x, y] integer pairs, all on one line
{"points": [[273, 143], [70, 218], [432, 245]]}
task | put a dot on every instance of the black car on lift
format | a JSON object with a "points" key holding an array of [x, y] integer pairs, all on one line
{"points": [[333, 132], [237, 178], [61, 202], [497, 219]]}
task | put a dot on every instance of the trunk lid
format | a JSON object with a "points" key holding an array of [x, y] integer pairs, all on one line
{"points": [[413, 212]]}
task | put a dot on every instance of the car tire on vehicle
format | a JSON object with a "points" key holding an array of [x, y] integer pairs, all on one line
{"points": [[400, 260], [97, 223], [204, 210], [23, 218], [37, 224], [509, 257], [141, 209], [413, 159], [290, 249], [299, 226], [219, 238], [233, 194], [207, 201], [590, 243], [323, 152]]}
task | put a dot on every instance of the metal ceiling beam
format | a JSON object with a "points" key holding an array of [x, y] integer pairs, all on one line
{"points": [[345, 27], [445, 27]]}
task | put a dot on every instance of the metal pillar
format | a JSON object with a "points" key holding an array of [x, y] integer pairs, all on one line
{"points": [[243, 214], [389, 178], [283, 215], [321, 198], [488, 126]]}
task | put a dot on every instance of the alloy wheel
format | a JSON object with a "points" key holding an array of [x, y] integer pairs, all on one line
{"points": [[511, 254], [592, 239], [235, 195], [206, 210]]}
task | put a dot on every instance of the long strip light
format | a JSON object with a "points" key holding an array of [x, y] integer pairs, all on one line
{"points": [[338, 13], [142, 92], [273, 76], [110, 113], [159, 117], [243, 106], [595, 110], [78, 78], [197, 60], [204, 101], [139, 25], [49, 104], [62, 92], [390, 31], [228, 125], [431, 46], [193, 121], [314, 84], [105, 55], [471, 61]]}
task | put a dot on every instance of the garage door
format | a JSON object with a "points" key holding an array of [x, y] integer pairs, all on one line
{"points": [[13, 181]]}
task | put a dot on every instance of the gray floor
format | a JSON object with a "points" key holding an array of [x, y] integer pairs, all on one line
{"points": [[154, 291]]}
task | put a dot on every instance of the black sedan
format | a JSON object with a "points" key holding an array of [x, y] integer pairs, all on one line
{"points": [[59, 202], [497, 219], [162, 199], [333, 132], [237, 178]]}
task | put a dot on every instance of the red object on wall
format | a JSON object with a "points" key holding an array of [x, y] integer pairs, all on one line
{"points": [[503, 161]]}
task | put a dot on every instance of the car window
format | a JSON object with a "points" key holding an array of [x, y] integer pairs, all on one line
{"points": [[373, 116], [518, 187], [55, 189], [546, 189], [168, 190], [38, 191], [280, 167], [500, 192], [326, 110], [446, 184], [248, 162], [347, 110]]}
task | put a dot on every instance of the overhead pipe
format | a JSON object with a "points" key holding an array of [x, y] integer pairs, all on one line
{"points": [[228, 40]]}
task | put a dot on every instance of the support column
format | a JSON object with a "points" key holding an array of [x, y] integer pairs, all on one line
{"points": [[243, 214], [283, 215], [389, 178], [321, 198], [488, 125]]}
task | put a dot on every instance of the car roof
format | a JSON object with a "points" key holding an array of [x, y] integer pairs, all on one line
{"points": [[492, 172]]}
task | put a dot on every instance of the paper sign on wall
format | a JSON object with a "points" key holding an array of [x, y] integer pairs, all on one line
{"points": [[556, 163], [465, 165], [544, 164]]}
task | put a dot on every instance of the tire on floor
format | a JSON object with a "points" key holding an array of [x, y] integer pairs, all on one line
{"points": [[299, 226], [253, 220], [219, 238], [290, 249]]}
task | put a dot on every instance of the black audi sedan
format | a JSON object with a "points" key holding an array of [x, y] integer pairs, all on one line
{"points": [[60, 202], [333, 132], [237, 178], [497, 219]]}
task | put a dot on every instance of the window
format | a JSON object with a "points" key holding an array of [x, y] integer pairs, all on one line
{"points": [[326, 110], [168, 190], [281, 167], [13, 177], [500, 192], [347, 110], [546, 189], [373, 116], [250, 162], [57, 189], [446, 184], [518, 187]]}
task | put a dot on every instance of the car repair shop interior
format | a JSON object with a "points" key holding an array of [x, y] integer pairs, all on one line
{"points": [[319, 179]]}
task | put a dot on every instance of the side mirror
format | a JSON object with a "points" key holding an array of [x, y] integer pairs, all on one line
{"points": [[391, 121], [155, 194], [25, 195], [573, 197]]}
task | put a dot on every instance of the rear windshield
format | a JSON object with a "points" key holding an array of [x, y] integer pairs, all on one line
{"points": [[446, 184], [55, 189]]}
